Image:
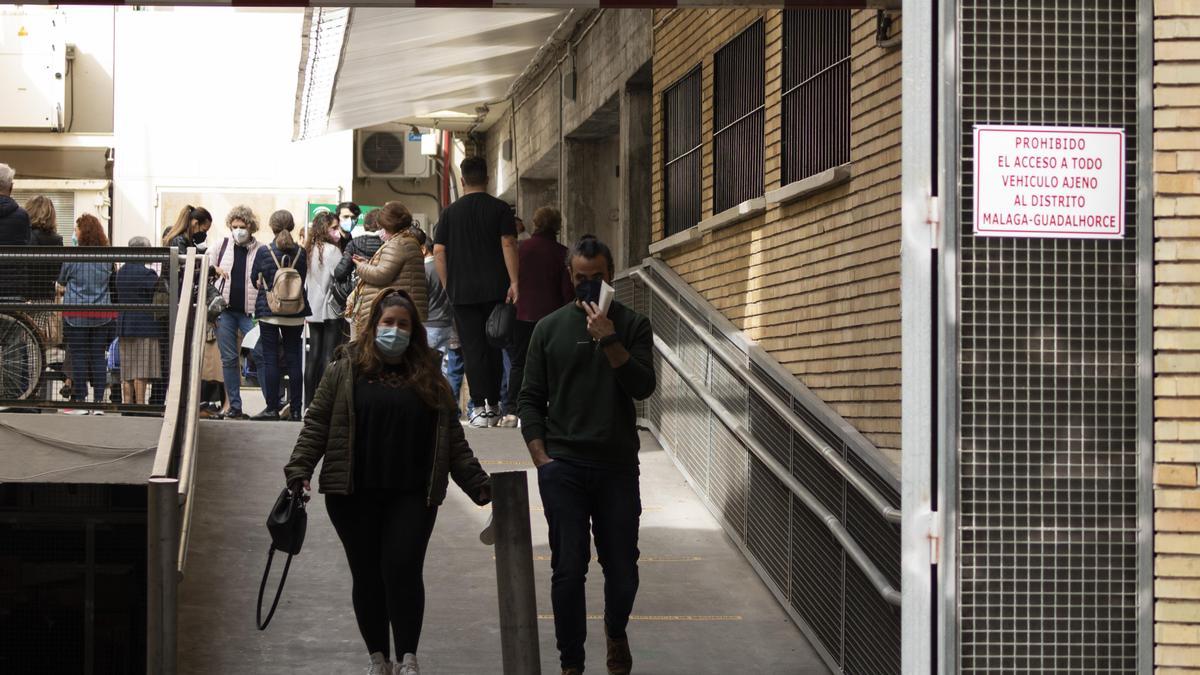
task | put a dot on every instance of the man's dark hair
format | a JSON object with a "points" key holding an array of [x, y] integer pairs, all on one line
{"points": [[354, 209], [589, 247], [474, 171]]}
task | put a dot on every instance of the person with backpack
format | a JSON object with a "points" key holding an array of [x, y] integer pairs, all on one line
{"points": [[281, 307], [397, 264], [232, 260], [322, 251]]}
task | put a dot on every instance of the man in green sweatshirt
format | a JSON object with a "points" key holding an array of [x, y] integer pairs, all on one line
{"points": [[583, 371]]}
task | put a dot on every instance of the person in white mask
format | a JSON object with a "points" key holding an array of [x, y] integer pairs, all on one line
{"points": [[347, 214], [232, 259]]}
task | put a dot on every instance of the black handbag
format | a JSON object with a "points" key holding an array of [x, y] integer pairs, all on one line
{"points": [[500, 325], [287, 524]]}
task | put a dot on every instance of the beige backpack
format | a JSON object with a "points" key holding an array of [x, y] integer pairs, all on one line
{"points": [[286, 295]]}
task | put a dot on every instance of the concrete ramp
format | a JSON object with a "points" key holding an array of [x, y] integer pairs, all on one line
{"points": [[701, 608]]}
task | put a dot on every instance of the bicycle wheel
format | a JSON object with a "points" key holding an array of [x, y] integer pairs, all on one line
{"points": [[20, 358]]}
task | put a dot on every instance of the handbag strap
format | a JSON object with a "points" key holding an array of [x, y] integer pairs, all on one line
{"points": [[262, 587]]}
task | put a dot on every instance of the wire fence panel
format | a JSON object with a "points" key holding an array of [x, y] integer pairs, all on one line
{"points": [[85, 329], [1047, 460]]}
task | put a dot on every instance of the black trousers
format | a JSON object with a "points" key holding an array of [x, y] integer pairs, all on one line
{"points": [[324, 337], [385, 535], [485, 363], [609, 500], [522, 332]]}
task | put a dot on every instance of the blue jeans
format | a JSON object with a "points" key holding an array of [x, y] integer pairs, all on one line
{"points": [[439, 339], [579, 501], [86, 345], [269, 377], [231, 326], [455, 368]]}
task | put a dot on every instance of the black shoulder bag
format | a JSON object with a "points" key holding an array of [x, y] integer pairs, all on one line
{"points": [[287, 523]]}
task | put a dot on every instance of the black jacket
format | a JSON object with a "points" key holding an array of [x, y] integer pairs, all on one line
{"points": [[40, 238], [365, 245], [14, 223], [14, 231], [44, 274]]}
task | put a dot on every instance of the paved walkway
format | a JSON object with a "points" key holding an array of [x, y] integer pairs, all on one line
{"points": [[701, 609]]}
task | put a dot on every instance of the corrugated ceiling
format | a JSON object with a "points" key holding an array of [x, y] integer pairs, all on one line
{"points": [[408, 63]]}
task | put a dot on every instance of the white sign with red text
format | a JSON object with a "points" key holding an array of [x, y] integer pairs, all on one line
{"points": [[1061, 182]]}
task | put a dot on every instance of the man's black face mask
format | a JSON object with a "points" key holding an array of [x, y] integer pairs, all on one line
{"points": [[588, 290]]}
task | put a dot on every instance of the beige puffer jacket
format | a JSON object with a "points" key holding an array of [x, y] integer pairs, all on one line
{"points": [[397, 264]]}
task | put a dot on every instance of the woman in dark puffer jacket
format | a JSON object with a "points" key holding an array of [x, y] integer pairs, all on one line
{"points": [[384, 421]]}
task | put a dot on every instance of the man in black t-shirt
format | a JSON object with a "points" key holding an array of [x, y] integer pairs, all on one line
{"points": [[475, 252]]}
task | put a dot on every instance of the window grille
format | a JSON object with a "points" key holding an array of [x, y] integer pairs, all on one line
{"points": [[681, 110], [816, 91], [738, 89], [64, 208]]}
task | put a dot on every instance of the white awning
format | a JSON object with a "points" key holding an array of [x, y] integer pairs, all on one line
{"points": [[367, 66]]}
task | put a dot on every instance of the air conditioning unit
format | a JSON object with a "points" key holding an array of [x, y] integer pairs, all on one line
{"points": [[33, 58], [389, 151]]}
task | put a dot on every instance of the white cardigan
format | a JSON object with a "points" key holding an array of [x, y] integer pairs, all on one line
{"points": [[320, 275]]}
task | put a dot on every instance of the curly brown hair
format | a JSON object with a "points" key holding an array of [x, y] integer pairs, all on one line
{"points": [[41, 214], [421, 364], [91, 232]]}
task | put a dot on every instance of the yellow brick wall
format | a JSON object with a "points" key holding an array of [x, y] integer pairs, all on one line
{"points": [[1177, 336], [815, 282]]}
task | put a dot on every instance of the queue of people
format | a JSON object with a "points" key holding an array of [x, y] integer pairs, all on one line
{"points": [[394, 317]]}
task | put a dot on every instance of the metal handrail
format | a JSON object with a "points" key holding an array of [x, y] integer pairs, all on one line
{"points": [[163, 489], [835, 527], [166, 436], [853, 477], [187, 450]]}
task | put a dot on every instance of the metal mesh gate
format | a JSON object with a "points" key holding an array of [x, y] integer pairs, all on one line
{"points": [[1048, 475], [791, 545]]}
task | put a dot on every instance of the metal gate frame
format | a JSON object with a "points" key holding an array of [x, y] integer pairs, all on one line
{"points": [[930, 296]]}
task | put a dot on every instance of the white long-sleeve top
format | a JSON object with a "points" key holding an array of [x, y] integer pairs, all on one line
{"points": [[320, 275]]}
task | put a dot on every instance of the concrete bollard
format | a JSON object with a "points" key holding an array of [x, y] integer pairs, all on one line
{"points": [[514, 574]]}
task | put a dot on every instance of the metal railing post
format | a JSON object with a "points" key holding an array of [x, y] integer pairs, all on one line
{"points": [[173, 294], [514, 574], [162, 528]]}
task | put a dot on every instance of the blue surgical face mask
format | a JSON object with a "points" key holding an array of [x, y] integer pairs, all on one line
{"points": [[392, 342], [74, 240], [346, 223]]}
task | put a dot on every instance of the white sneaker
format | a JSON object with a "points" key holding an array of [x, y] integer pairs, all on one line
{"points": [[493, 414], [98, 413], [379, 665], [479, 418], [508, 422], [74, 411], [408, 666]]}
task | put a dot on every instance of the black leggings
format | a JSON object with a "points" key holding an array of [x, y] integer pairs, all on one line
{"points": [[385, 535], [324, 337]]}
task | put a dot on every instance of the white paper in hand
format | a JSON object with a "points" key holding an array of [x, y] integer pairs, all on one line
{"points": [[606, 296]]}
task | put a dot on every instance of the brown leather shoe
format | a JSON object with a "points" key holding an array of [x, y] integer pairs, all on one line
{"points": [[620, 661]]}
